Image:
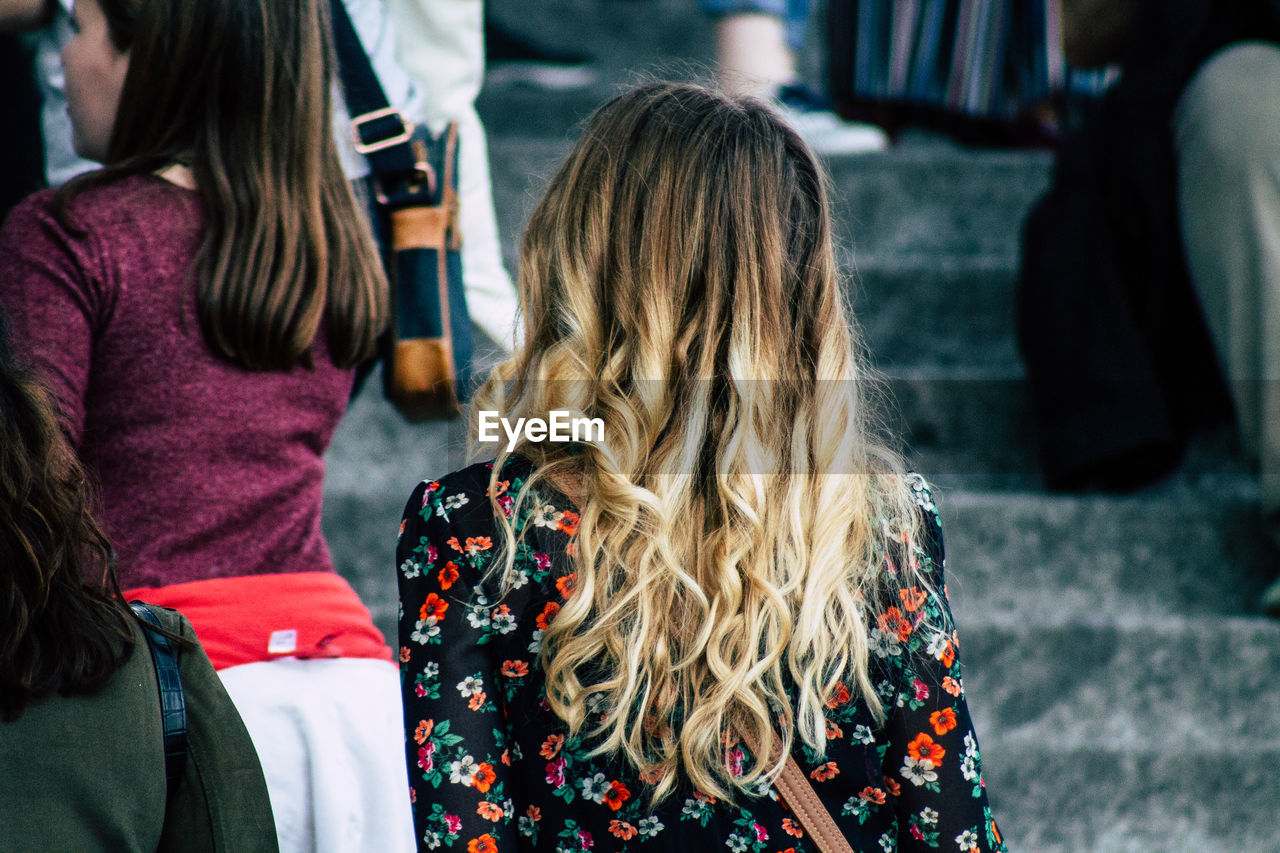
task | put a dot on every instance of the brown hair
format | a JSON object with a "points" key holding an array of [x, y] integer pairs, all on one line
{"points": [[63, 622], [240, 91]]}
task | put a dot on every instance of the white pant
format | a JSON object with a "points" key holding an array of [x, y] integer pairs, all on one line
{"points": [[330, 736]]}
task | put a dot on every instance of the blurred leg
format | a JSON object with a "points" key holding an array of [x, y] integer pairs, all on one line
{"points": [[1227, 137]]}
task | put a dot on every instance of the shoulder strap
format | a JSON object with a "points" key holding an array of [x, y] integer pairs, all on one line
{"points": [[173, 703], [794, 788], [382, 133]]}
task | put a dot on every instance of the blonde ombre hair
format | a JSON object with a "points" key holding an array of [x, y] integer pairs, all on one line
{"points": [[679, 282]]}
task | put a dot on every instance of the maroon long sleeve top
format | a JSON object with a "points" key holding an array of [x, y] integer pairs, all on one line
{"points": [[207, 470]]}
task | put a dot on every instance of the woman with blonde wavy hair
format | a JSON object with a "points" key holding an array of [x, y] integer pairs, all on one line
{"points": [[594, 630]]}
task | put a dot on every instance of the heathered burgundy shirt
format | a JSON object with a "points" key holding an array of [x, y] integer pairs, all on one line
{"points": [[207, 470]]}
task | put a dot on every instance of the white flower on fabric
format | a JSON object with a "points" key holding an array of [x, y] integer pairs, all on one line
{"points": [[432, 669], [918, 771], [736, 843], [431, 839], [969, 768], [508, 808], [937, 644], [463, 771], [970, 746], [536, 645], [649, 827], [595, 787], [863, 735], [887, 842], [424, 629], [928, 815], [504, 622], [411, 568], [519, 578], [546, 516], [967, 840], [527, 826], [470, 686], [884, 644], [478, 617]]}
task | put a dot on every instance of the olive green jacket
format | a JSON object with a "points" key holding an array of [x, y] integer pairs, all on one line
{"points": [[87, 773]]}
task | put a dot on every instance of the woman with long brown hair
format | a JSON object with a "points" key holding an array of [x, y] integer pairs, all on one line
{"points": [[82, 761], [199, 305], [615, 642]]}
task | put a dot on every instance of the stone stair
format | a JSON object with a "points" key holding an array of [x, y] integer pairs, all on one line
{"points": [[1124, 689]]}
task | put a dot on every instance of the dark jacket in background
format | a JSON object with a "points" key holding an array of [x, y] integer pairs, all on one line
{"points": [[1121, 367]]}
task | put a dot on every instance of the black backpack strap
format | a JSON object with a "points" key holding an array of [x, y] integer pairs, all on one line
{"points": [[382, 132], [173, 704]]}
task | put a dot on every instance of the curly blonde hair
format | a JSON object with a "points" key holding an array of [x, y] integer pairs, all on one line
{"points": [[679, 282]]}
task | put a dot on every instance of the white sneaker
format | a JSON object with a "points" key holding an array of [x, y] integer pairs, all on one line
{"points": [[826, 133]]}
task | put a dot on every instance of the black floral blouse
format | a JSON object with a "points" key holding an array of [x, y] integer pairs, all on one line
{"points": [[492, 769]]}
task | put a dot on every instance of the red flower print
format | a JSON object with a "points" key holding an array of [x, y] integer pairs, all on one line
{"points": [[706, 798], [548, 613], [616, 795], [571, 550], [478, 543], [555, 773], [433, 485], [433, 608], [950, 685], [403, 522], [453, 823], [448, 574], [893, 787], [534, 813], [483, 844], [839, 696], [585, 839], [498, 488], [404, 654], [788, 850], [484, 778], [943, 721], [790, 827], [916, 832], [425, 760], [922, 748], [872, 795], [825, 772], [551, 746], [912, 598], [948, 655], [622, 829], [834, 732], [477, 700], [762, 835], [432, 553], [489, 811], [568, 522], [921, 689], [453, 543], [542, 561], [419, 690], [515, 668], [734, 759], [423, 731], [567, 584], [893, 622]]}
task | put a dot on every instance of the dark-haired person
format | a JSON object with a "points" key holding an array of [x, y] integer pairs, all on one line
{"points": [[82, 764], [603, 643], [199, 305]]}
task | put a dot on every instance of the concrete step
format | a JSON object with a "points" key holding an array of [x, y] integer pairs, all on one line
{"points": [[1093, 684], [1192, 799], [913, 205]]}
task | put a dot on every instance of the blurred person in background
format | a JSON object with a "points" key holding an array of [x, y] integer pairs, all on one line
{"points": [[198, 306]]}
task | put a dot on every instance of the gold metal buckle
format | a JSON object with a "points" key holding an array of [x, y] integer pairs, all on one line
{"points": [[369, 148]]}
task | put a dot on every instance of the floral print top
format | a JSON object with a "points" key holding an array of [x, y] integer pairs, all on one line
{"points": [[492, 768]]}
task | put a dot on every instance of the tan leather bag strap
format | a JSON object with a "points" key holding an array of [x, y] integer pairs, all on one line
{"points": [[794, 788]]}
